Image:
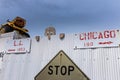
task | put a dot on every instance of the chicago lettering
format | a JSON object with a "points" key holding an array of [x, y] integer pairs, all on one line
{"points": [[63, 70], [98, 35]]}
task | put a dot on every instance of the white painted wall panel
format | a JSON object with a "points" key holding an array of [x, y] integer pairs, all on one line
{"points": [[97, 63]]}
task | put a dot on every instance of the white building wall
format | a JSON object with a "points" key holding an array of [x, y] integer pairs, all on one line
{"points": [[96, 63]]}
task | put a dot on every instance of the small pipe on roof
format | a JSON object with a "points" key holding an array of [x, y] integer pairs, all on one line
{"points": [[37, 38], [62, 36]]}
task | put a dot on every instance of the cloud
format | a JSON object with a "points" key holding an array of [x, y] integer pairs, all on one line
{"points": [[62, 12]]}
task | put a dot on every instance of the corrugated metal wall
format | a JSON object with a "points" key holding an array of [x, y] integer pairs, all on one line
{"points": [[96, 63]]}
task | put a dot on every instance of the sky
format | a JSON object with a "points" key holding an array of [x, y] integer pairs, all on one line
{"points": [[67, 16]]}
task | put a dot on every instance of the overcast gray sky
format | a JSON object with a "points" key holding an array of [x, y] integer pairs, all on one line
{"points": [[68, 16]]}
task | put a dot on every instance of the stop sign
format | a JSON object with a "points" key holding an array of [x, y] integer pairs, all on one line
{"points": [[61, 67]]}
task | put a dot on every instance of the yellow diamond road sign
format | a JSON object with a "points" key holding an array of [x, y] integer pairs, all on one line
{"points": [[61, 67]]}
